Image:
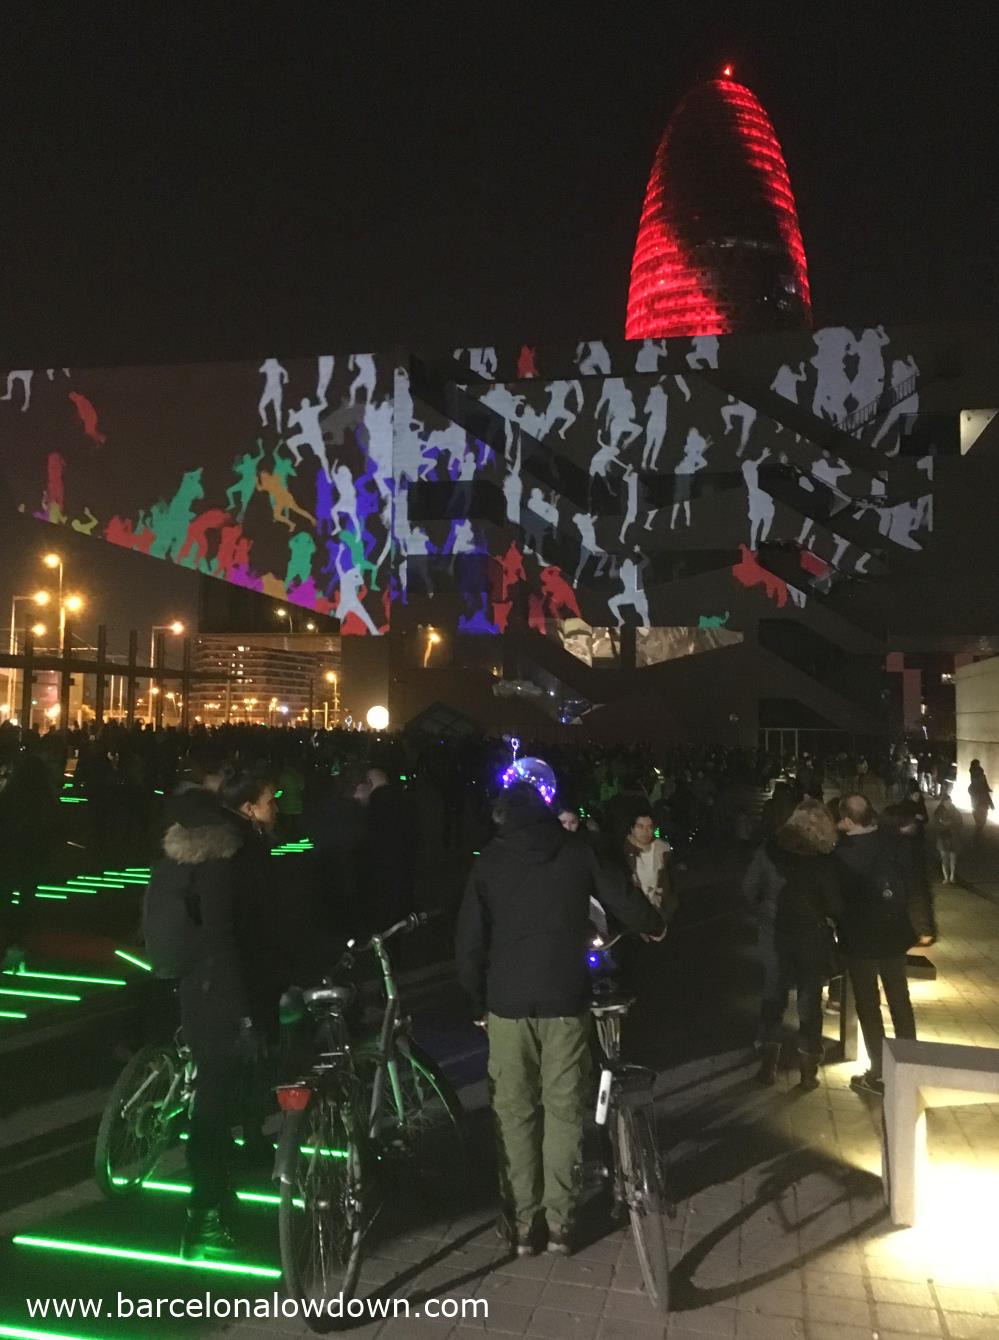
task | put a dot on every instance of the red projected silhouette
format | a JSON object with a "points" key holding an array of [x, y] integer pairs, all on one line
{"points": [[88, 417], [748, 572], [719, 247]]}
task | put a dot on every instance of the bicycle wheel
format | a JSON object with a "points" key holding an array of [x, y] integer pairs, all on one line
{"points": [[644, 1188], [430, 1135], [136, 1128], [321, 1211]]}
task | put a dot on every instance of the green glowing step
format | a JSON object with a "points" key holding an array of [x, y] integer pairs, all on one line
{"points": [[23, 1333], [136, 962], [39, 995], [182, 1189], [64, 977], [12, 1014], [154, 1258]]}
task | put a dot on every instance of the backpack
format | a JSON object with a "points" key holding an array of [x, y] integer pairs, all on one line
{"points": [[171, 920]]}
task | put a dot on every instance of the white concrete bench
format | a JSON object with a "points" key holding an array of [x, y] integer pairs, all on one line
{"points": [[917, 1076]]}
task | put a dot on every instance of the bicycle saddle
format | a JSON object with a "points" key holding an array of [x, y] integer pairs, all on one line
{"points": [[612, 1002], [329, 995]]}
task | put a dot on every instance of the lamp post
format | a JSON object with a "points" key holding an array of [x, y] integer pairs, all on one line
{"points": [[433, 638], [285, 614], [41, 599], [176, 628], [55, 564]]}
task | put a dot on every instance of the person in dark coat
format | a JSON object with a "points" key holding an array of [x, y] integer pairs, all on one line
{"points": [[799, 881], [218, 944], [875, 929], [981, 797], [30, 842], [521, 954]]}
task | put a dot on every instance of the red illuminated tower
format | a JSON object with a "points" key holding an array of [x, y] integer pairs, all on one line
{"points": [[719, 248]]}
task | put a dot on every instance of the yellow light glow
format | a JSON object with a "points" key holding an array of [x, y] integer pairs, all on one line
{"points": [[53, 712], [378, 718], [176, 628], [38, 630], [154, 691], [74, 604], [52, 560], [330, 676], [954, 1241], [41, 597]]}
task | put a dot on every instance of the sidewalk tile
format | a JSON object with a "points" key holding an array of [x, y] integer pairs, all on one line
{"points": [[553, 1325], [575, 1298], [912, 1320]]}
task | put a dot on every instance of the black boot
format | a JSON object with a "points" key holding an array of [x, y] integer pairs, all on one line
{"points": [[809, 1067], [769, 1061], [206, 1238]]}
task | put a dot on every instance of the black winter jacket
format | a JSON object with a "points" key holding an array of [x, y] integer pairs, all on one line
{"points": [[809, 895], [877, 889], [523, 927]]}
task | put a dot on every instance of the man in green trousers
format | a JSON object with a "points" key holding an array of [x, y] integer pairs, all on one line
{"points": [[521, 951]]}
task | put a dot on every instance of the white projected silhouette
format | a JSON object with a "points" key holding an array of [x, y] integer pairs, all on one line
{"points": [[746, 415], [50, 373], [869, 380], [350, 593], [463, 539], [788, 380], [558, 411], [345, 507], [760, 505], [310, 434], [830, 470], [275, 380], [631, 484], [903, 370], [618, 406], [483, 361], [366, 374], [444, 445], [703, 352], [656, 413], [592, 358], [24, 377], [502, 401], [647, 358], [693, 459], [324, 375], [632, 594], [513, 488], [832, 385], [588, 546]]}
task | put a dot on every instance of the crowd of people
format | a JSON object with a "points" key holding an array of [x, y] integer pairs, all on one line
{"points": [[835, 886]]}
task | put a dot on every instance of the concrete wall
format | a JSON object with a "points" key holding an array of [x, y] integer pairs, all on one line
{"points": [[977, 703]]}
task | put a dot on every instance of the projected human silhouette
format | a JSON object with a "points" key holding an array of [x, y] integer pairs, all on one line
{"points": [[349, 603], [325, 364], [648, 356], [283, 504], [869, 379], [738, 412], [694, 458], [903, 372], [617, 405], [365, 376], [301, 551], [23, 378], [196, 543], [527, 362], [588, 546], [592, 358], [244, 467], [632, 482], [275, 380], [558, 413], [760, 505], [632, 594], [787, 381], [310, 434], [703, 352], [170, 520], [87, 415], [832, 384], [656, 411]]}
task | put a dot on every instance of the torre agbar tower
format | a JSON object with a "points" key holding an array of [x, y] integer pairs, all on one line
{"points": [[719, 248]]}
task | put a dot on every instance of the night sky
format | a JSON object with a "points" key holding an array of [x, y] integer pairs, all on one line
{"points": [[191, 182]]}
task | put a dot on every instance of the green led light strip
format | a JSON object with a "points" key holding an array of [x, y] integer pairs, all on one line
{"points": [[181, 1189], [12, 1014], [38, 995], [56, 888], [54, 897], [22, 1333], [138, 869], [72, 800], [155, 1258], [65, 977], [136, 962]]}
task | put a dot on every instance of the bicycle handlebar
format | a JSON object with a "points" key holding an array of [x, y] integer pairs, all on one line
{"points": [[411, 923]]}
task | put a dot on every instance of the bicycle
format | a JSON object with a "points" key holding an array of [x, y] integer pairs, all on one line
{"points": [[143, 1115], [361, 1105], [625, 1108]]}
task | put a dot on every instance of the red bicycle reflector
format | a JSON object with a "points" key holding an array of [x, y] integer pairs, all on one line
{"points": [[293, 1097]]}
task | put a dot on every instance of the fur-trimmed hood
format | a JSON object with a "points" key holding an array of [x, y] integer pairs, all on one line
{"points": [[213, 841]]}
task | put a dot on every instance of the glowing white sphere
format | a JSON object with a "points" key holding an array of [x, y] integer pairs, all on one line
{"points": [[378, 718]]}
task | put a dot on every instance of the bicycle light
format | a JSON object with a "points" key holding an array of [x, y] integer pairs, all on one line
{"points": [[293, 1097]]}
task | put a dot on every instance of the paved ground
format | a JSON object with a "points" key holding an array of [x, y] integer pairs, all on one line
{"points": [[781, 1230]]}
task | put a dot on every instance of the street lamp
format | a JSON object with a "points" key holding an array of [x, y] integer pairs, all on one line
{"points": [[331, 679], [176, 628], [39, 598], [38, 630], [310, 627], [433, 638], [284, 614]]}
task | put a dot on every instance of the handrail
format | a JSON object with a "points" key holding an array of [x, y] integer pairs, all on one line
{"points": [[864, 413]]}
